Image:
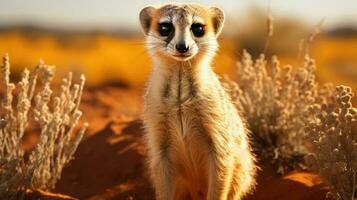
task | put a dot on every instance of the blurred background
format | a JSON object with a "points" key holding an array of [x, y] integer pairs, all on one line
{"points": [[103, 39]]}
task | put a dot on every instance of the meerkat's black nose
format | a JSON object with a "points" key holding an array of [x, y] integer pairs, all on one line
{"points": [[182, 47]]}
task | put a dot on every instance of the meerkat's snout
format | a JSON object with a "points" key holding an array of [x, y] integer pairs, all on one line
{"points": [[182, 47], [182, 32]]}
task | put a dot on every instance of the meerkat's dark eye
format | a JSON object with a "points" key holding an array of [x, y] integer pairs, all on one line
{"points": [[198, 30], [165, 29]]}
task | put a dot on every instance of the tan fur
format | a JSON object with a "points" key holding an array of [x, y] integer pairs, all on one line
{"points": [[198, 146]]}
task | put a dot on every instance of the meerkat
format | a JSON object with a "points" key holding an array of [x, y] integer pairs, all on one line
{"points": [[198, 146]]}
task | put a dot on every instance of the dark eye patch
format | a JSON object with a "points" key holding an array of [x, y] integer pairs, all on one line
{"points": [[198, 29], [165, 29]]}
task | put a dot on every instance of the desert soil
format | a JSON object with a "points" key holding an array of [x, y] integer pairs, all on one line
{"points": [[110, 161]]}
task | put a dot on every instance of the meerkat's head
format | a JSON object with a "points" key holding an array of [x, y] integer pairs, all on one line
{"points": [[181, 32]]}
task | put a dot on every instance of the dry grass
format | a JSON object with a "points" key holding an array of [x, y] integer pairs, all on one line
{"points": [[57, 117], [291, 116], [275, 101], [334, 135]]}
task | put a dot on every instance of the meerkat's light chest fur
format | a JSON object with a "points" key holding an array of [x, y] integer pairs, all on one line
{"points": [[197, 144]]}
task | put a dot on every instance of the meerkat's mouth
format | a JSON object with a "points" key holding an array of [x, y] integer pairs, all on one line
{"points": [[182, 56]]}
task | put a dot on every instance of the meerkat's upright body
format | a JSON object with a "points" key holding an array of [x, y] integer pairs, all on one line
{"points": [[198, 146]]}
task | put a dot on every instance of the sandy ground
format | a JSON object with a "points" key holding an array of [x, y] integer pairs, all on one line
{"points": [[110, 161]]}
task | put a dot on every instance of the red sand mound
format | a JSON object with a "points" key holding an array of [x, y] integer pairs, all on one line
{"points": [[110, 161], [293, 186]]}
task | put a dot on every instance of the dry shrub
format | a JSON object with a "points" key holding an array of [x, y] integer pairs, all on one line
{"points": [[275, 101], [57, 117], [333, 133]]}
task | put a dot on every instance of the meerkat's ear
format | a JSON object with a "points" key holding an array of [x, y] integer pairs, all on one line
{"points": [[145, 16], [217, 15]]}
